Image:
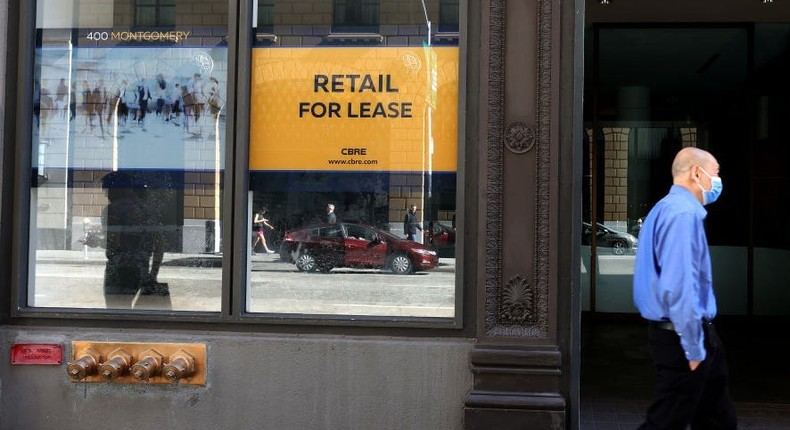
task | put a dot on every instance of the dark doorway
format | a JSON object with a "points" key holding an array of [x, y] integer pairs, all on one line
{"points": [[651, 90]]}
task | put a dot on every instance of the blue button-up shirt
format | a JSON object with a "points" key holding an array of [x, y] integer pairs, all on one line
{"points": [[672, 275]]}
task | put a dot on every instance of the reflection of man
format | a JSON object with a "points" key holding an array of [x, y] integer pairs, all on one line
{"points": [[213, 98], [143, 96], [331, 218], [410, 224], [61, 94], [122, 222], [673, 290], [199, 96], [134, 242]]}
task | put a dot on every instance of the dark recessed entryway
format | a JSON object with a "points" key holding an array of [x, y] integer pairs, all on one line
{"points": [[651, 90]]}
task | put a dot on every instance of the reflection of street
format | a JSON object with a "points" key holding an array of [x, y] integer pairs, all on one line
{"points": [[613, 281], [65, 279], [616, 264], [278, 288]]}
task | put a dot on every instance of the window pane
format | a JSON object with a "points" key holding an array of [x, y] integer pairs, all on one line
{"points": [[356, 15], [146, 16], [344, 138], [646, 110], [128, 147], [448, 15]]}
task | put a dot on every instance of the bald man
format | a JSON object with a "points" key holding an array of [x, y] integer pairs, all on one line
{"points": [[673, 290]]}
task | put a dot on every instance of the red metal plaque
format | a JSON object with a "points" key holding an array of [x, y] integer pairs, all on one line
{"points": [[36, 353]]}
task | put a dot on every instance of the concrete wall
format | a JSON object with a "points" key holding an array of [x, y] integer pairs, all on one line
{"points": [[254, 381]]}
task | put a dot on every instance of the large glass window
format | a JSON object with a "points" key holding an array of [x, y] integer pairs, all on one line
{"points": [[353, 160], [128, 148]]}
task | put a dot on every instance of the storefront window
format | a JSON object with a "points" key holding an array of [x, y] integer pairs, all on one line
{"points": [[353, 160], [128, 148]]}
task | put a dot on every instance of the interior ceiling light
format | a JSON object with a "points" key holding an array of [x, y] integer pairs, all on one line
{"points": [[768, 1], [607, 1]]}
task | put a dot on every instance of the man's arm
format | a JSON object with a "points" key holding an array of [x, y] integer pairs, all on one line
{"points": [[678, 285]]}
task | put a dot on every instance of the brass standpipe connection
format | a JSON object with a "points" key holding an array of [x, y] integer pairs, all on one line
{"points": [[84, 366], [117, 364], [149, 363], [180, 365]]}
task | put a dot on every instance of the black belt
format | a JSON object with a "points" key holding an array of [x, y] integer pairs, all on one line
{"points": [[663, 325], [667, 325]]}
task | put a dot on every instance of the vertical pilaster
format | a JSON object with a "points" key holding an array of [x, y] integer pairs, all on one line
{"points": [[519, 363]]}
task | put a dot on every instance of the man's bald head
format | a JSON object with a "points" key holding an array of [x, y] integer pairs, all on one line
{"points": [[688, 157], [694, 169]]}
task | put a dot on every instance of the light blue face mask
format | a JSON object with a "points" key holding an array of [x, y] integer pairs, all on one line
{"points": [[716, 186]]}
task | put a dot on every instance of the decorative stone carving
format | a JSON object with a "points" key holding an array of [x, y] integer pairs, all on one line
{"points": [[499, 312], [518, 302], [520, 137]]}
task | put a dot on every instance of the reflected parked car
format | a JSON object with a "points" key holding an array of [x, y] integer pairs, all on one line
{"points": [[324, 247], [441, 238], [619, 242]]}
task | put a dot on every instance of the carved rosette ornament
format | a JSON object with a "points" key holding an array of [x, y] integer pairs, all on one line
{"points": [[518, 302], [520, 137]]}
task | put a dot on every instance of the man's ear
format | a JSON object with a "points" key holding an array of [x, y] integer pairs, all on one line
{"points": [[694, 172]]}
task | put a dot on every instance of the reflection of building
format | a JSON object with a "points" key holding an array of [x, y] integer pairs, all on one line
{"points": [[540, 151]]}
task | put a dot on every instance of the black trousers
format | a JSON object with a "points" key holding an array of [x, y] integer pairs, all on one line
{"points": [[682, 397]]}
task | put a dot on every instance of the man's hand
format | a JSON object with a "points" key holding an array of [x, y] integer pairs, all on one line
{"points": [[693, 365]]}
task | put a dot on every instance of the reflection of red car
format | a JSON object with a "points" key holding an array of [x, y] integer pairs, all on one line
{"points": [[441, 238], [354, 245]]}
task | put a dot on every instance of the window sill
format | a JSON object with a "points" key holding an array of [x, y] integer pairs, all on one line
{"points": [[266, 37], [446, 37], [354, 37]]}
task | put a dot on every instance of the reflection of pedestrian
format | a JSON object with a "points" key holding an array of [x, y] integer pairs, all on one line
{"points": [[134, 241], [160, 91], [87, 105], [260, 223], [143, 96], [122, 221], [637, 227], [199, 96], [410, 224], [194, 100], [189, 107], [213, 98], [331, 218], [73, 101], [176, 103], [61, 93], [98, 99], [673, 290]]}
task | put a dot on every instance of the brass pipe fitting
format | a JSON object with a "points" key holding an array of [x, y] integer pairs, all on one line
{"points": [[117, 364], [180, 365], [148, 365], [137, 363], [84, 366]]}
